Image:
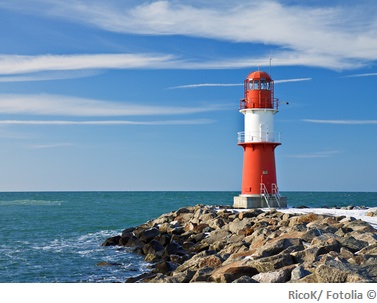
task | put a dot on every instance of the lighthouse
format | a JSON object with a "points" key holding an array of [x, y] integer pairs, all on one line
{"points": [[259, 140]]}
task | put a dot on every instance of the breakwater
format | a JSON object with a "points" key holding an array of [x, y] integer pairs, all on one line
{"points": [[219, 244]]}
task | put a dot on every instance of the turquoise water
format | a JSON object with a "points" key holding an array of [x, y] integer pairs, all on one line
{"points": [[56, 236]]}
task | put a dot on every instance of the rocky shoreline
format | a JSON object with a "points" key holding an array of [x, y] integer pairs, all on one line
{"points": [[220, 244]]}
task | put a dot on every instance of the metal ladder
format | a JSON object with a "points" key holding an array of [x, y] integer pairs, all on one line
{"points": [[275, 192], [264, 193]]}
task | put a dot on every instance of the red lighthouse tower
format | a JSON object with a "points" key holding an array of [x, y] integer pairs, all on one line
{"points": [[259, 140]]}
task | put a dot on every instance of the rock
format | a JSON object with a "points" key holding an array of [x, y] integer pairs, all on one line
{"points": [[299, 272], [275, 247], [271, 263], [327, 242], [193, 263], [370, 250], [149, 234], [153, 247], [335, 273], [112, 241], [202, 275], [352, 244], [212, 261], [218, 244], [230, 273], [216, 235], [200, 227], [245, 279], [280, 276], [308, 255], [164, 267]]}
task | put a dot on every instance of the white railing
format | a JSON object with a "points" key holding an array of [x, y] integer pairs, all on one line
{"points": [[258, 136], [274, 193]]}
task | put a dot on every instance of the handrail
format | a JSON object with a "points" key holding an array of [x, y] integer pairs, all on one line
{"points": [[264, 103], [276, 193], [264, 193], [258, 136]]}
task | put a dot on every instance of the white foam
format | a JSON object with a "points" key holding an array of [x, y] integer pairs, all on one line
{"points": [[356, 213]]}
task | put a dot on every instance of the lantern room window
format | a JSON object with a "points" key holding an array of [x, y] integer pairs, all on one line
{"points": [[262, 84]]}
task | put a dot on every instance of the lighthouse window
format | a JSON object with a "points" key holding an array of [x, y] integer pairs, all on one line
{"points": [[265, 84], [255, 85]]}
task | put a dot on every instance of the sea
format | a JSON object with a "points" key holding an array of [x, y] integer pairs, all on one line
{"points": [[56, 237]]}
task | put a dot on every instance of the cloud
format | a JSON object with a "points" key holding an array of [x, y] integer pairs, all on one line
{"points": [[15, 64], [292, 80], [206, 85], [321, 154], [48, 76], [46, 67], [45, 104], [109, 122], [342, 122], [53, 145], [298, 32], [361, 75], [231, 84]]}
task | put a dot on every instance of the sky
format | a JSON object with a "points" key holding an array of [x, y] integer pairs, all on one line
{"points": [[144, 95]]}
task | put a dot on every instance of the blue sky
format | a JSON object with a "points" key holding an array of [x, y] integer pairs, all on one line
{"points": [[144, 95]]}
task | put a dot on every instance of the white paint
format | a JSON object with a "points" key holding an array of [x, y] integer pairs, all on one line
{"points": [[259, 125]]}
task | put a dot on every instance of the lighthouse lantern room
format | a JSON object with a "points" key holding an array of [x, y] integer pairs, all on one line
{"points": [[259, 140]]}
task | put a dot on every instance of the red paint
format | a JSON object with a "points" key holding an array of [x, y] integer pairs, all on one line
{"points": [[258, 167]]}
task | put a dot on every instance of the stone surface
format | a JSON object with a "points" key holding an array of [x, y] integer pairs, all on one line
{"points": [[218, 244]]}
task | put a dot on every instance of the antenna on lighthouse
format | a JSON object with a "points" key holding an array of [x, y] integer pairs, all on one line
{"points": [[270, 65]]}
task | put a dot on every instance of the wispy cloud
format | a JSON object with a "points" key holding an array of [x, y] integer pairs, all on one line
{"points": [[296, 31], [49, 76], [361, 75], [52, 145], [342, 122], [292, 80], [15, 64], [45, 104], [301, 29], [231, 84], [41, 67], [320, 154], [206, 85], [109, 122]]}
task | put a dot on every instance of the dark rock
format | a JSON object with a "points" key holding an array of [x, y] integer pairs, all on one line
{"points": [[153, 247], [149, 234], [245, 279], [164, 267], [112, 241], [202, 275], [308, 255], [127, 231], [352, 244]]}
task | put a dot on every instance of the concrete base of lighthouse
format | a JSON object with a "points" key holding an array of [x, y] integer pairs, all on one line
{"points": [[258, 201]]}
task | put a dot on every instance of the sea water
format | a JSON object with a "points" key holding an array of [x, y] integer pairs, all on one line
{"points": [[57, 236]]}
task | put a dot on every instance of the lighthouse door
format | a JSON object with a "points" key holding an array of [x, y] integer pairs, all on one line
{"points": [[264, 131]]}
